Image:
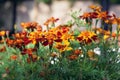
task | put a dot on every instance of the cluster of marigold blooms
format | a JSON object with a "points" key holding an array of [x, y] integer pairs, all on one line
{"points": [[97, 13], [58, 37]]}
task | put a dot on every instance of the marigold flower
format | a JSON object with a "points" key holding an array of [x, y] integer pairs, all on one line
{"points": [[73, 57], [28, 51], [113, 34], [18, 43], [103, 15], [106, 32], [10, 42], [29, 25], [112, 20], [26, 41], [99, 31], [85, 15], [2, 33], [17, 35], [51, 20], [95, 8], [20, 35], [91, 54], [3, 49], [89, 15], [63, 47], [13, 57], [39, 28], [77, 52], [105, 37], [86, 37]]}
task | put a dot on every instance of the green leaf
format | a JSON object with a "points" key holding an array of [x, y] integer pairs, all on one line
{"points": [[30, 45]]}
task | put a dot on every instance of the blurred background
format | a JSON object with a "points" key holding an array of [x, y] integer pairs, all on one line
{"points": [[16, 11]]}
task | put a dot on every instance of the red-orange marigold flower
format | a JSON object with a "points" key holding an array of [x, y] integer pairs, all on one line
{"points": [[77, 52], [87, 37], [51, 20], [13, 57], [3, 49], [73, 57]]}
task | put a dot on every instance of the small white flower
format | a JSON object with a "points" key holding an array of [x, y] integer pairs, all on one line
{"points": [[97, 51], [52, 62]]}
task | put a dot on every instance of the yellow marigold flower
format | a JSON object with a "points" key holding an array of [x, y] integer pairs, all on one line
{"points": [[63, 46], [105, 37], [2, 33], [96, 8], [66, 42], [34, 41], [87, 37], [67, 36], [68, 48]]}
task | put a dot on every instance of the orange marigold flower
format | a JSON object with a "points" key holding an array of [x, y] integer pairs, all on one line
{"points": [[28, 51], [64, 46], [39, 28], [85, 15], [73, 57], [89, 15], [86, 37], [77, 52], [10, 42], [112, 20], [17, 35], [18, 43], [103, 15], [13, 57], [51, 20], [95, 8], [29, 25], [2, 33], [99, 31], [106, 32], [114, 34], [3, 49]]}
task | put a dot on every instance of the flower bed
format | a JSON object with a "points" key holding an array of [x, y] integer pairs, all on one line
{"points": [[59, 53]]}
